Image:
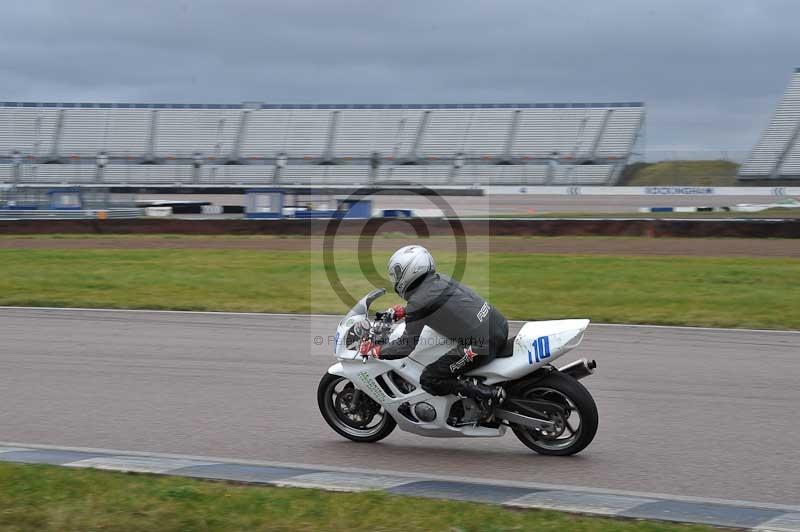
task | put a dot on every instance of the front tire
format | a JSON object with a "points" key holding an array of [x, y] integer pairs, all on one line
{"points": [[351, 412], [571, 433]]}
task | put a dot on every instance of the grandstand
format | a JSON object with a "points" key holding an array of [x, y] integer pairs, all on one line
{"points": [[777, 154], [257, 144]]}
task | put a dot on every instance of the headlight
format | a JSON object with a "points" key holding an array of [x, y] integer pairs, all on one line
{"points": [[356, 333]]}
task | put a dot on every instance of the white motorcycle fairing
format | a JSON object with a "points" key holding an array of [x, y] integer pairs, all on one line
{"points": [[394, 384]]}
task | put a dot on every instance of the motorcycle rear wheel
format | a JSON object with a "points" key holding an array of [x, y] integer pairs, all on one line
{"points": [[335, 400], [566, 438]]}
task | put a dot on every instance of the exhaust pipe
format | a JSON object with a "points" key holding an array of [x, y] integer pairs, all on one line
{"points": [[579, 369]]}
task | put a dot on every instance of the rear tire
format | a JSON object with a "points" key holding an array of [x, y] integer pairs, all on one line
{"points": [[338, 420], [571, 394]]}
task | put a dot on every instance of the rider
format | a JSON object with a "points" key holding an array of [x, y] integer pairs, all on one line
{"points": [[477, 329]]}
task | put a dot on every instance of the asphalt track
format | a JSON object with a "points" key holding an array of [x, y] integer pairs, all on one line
{"points": [[691, 412]]}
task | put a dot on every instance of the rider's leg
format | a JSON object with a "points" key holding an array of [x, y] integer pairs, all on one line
{"points": [[441, 377]]}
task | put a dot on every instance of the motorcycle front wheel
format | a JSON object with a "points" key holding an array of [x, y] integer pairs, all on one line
{"points": [[575, 423], [352, 413]]}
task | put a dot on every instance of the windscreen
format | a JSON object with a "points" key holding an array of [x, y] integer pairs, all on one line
{"points": [[362, 307]]}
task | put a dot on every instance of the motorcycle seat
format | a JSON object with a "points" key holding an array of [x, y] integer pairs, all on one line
{"points": [[508, 349]]}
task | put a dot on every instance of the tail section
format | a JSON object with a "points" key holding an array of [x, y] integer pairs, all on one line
{"points": [[538, 343]]}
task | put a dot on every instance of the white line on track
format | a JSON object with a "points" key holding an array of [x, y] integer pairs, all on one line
{"points": [[289, 315], [411, 475]]}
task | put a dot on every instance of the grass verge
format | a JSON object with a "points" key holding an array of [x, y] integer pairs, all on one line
{"points": [[47, 498], [681, 173], [701, 291]]}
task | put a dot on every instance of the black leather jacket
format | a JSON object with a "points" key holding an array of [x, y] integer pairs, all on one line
{"points": [[453, 310]]}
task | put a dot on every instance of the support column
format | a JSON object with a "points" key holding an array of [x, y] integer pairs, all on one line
{"points": [[374, 167], [601, 133], [458, 163], [280, 164], [16, 170], [423, 125], [552, 168], [576, 149], [197, 166], [616, 173], [511, 138], [330, 144], [102, 161], [53, 156], [218, 144], [236, 149], [776, 171], [398, 139], [150, 156]]}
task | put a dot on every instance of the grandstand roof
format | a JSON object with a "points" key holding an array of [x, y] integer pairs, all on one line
{"points": [[84, 105]]}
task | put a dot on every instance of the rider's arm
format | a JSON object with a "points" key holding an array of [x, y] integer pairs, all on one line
{"points": [[403, 346]]}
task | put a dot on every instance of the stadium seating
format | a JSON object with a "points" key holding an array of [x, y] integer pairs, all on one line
{"points": [[28, 130], [6, 172], [319, 175], [236, 174], [129, 174], [309, 174], [183, 132], [390, 132], [777, 153], [66, 174], [416, 175], [318, 144], [118, 132]]}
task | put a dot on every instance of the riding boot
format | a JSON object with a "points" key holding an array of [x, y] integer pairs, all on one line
{"points": [[488, 395]]}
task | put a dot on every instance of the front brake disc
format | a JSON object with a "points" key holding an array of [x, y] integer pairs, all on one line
{"points": [[358, 415]]}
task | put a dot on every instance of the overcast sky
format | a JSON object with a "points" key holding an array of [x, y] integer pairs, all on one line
{"points": [[710, 71]]}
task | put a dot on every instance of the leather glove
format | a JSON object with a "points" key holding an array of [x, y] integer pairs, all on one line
{"points": [[368, 349], [398, 312]]}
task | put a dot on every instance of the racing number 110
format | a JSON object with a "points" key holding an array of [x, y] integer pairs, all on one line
{"points": [[541, 350]]}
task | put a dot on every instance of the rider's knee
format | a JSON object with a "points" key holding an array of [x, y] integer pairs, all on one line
{"points": [[429, 383]]}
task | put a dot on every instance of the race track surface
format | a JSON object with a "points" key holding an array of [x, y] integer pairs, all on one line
{"points": [[708, 413]]}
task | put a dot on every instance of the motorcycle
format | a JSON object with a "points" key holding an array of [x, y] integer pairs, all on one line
{"points": [[546, 407]]}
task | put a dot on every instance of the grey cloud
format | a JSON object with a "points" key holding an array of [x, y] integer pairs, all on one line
{"points": [[710, 71]]}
